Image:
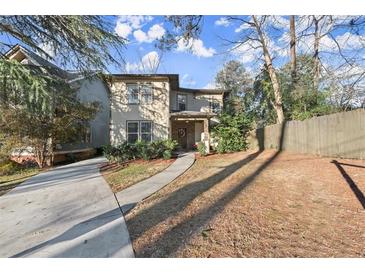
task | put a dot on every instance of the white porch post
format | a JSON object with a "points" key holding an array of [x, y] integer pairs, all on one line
{"points": [[206, 137]]}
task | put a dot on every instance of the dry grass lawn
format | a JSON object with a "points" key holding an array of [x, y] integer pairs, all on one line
{"points": [[8, 182], [120, 177], [250, 204]]}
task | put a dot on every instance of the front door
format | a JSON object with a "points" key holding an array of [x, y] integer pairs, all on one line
{"points": [[182, 137]]}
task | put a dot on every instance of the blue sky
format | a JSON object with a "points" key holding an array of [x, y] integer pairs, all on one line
{"points": [[196, 68]]}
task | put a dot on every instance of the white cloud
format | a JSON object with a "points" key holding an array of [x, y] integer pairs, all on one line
{"points": [[149, 64], [151, 60], [140, 36], [135, 21], [123, 29], [47, 48], [187, 80], [279, 22], [247, 53], [132, 67], [223, 21], [346, 41], [127, 23], [351, 41], [196, 47], [242, 27], [155, 32], [210, 86]]}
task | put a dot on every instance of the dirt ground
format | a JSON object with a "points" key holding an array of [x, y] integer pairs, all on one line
{"points": [[256, 204]]}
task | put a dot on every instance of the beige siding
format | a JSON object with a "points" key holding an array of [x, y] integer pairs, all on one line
{"points": [[196, 102], [121, 111]]}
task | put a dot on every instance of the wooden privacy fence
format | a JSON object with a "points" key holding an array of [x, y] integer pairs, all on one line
{"points": [[335, 135]]}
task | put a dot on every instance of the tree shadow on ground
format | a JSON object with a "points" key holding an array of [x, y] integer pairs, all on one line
{"points": [[358, 193], [108, 219], [182, 232]]}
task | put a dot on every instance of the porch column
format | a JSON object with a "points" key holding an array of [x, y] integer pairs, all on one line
{"points": [[206, 138]]}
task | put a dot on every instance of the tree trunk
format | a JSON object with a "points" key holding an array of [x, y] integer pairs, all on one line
{"points": [[40, 155], [317, 39], [293, 55], [50, 152], [272, 73]]}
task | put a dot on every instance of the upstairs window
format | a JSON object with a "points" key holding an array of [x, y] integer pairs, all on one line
{"points": [[132, 93], [215, 106], [146, 94], [181, 102]]}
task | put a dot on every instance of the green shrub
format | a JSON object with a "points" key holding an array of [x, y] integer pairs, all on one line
{"points": [[167, 154], [231, 132], [139, 150], [126, 152], [9, 168], [143, 150], [157, 149], [110, 153], [202, 148], [170, 144]]}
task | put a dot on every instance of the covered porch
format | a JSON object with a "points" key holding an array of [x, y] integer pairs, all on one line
{"points": [[189, 128]]}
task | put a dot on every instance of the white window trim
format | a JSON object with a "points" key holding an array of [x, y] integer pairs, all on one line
{"points": [[138, 92], [177, 101], [139, 130], [214, 101], [139, 86]]}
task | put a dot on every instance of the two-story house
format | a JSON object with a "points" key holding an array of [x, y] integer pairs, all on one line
{"points": [[136, 106], [152, 107]]}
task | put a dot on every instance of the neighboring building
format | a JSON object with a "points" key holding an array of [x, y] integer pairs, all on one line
{"points": [[154, 107], [88, 90]]}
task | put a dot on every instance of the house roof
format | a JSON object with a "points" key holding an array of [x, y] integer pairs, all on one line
{"points": [[192, 114], [20, 53], [204, 91]]}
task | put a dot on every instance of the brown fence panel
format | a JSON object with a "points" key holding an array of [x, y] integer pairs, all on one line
{"points": [[336, 135]]}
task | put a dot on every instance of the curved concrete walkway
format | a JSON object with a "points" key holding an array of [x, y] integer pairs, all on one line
{"points": [[130, 196], [68, 211]]}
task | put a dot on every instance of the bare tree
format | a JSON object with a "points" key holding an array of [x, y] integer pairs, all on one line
{"points": [[293, 54], [317, 38], [338, 63], [147, 64], [272, 72]]}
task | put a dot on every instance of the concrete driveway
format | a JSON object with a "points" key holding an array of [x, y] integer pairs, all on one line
{"points": [[69, 211]]}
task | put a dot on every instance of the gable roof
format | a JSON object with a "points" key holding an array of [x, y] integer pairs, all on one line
{"points": [[20, 54]]}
